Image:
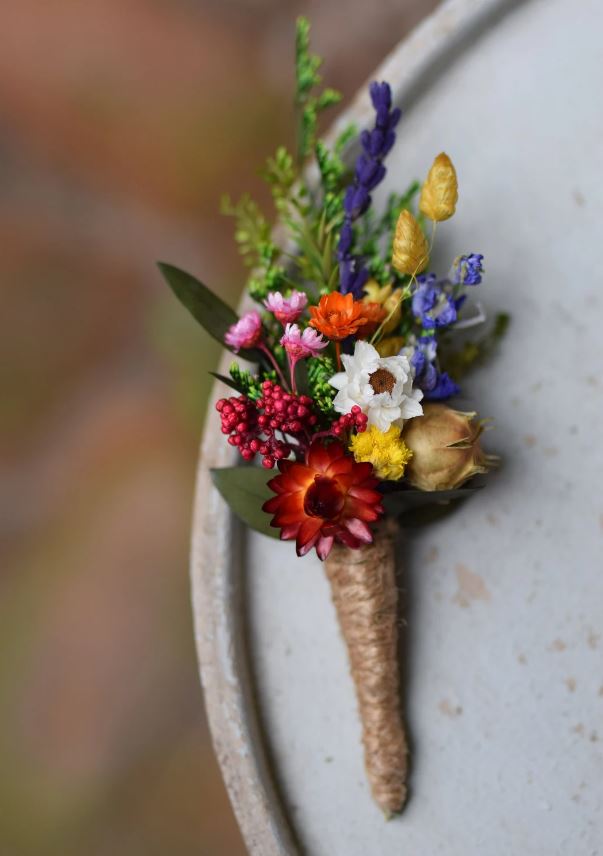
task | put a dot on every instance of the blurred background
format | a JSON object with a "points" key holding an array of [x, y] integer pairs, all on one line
{"points": [[121, 124]]}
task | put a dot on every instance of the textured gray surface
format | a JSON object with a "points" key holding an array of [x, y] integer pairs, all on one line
{"points": [[505, 608]]}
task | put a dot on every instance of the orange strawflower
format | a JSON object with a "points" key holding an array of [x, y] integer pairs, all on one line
{"points": [[374, 314], [338, 316]]}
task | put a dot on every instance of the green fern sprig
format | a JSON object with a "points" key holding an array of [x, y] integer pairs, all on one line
{"points": [[307, 76]]}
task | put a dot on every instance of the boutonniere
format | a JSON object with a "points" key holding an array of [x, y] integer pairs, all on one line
{"points": [[342, 418]]}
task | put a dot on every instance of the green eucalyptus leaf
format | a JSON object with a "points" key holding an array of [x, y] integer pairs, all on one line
{"points": [[245, 489], [213, 314], [425, 514], [406, 500]]}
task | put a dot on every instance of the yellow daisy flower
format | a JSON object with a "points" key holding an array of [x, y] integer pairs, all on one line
{"points": [[387, 452]]}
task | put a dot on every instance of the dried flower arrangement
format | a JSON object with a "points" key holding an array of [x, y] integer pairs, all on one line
{"points": [[352, 358]]}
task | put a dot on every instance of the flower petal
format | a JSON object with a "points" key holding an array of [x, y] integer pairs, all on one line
{"points": [[307, 535], [324, 545], [359, 530], [339, 466], [321, 455], [271, 505], [278, 484], [368, 513], [346, 537], [339, 380], [362, 471], [364, 494], [289, 532], [299, 475]]}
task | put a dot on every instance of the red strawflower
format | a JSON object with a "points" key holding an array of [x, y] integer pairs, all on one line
{"points": [[329, 498]]}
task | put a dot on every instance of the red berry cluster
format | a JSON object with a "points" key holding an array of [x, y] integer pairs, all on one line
{"points": [[354, 419], [240, 420], [284, 411], [251, 426]]}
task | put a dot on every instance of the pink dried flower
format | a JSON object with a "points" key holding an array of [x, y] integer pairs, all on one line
{"points": [[286, 309], [300, 345], [246, 333]]}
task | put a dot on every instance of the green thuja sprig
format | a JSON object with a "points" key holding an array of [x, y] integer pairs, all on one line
{"points": [[307, 78], [253, 234], [252, 231], [320, 370], [376, 229], [312, 222], [315, 222], [396, 203], [248, 384], [375, 235], [281, 174], [334, 175]]}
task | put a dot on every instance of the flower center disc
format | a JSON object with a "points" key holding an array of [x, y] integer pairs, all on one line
{"points": [[324, 499], [382, 381]]}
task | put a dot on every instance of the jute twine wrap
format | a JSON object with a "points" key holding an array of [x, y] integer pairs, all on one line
{"points": [[363, 587]]}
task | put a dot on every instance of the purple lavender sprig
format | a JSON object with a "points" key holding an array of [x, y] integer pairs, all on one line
{"points": [[369, 172]]}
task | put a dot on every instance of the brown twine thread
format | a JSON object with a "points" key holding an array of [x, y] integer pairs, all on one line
{"points": [[363, 587]]}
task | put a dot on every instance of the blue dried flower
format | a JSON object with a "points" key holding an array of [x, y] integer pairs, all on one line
{"points": [[436, 385], [467, 270], [424, 371], [432, 304], [444, 388]]}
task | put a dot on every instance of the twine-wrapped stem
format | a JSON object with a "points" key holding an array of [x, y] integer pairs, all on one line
{"points": [[363, 586]]}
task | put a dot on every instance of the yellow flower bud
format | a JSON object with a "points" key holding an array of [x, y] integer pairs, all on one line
{"points": [[390, 346], [440, 192], [446, 448], [376, 293], [410, 251], [387, 452], [393, 305], [390, 300]]}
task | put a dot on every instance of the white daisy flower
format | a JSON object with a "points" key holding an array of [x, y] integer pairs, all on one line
{"points": [[380, 386]]}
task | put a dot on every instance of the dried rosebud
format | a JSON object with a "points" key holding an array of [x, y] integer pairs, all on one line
{"points": [[446, 448], [410, 250], [440, 192]]}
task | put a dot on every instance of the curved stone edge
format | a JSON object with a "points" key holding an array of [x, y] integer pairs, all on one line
{"points": [[218, 613], [215, 568], [423, 55]]}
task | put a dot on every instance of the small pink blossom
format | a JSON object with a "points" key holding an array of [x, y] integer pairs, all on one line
{"points": [[299, 345], [286, 309], [246, 333]]}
